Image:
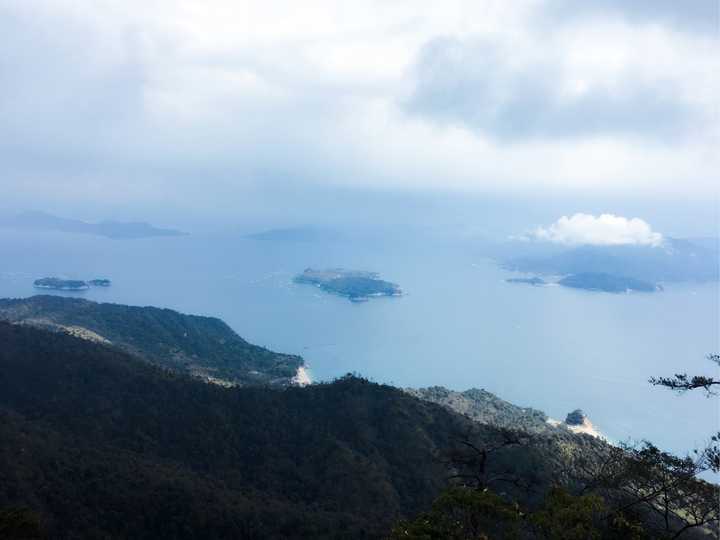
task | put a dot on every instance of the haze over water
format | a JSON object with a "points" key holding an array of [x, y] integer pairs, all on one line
{"points": [[459, 325]]}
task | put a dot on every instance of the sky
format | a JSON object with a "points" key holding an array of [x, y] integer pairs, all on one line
{"points": [[215, 108]]}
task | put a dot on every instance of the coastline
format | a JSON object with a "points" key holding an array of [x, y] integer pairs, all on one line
{"points": [[302, 377], [586, 427]]}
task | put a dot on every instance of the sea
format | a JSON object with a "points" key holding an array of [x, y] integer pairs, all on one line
{"points": [[458, 325]]}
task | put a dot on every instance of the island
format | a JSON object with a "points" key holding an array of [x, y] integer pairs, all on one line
{"points": [[100, 282], [528, 281], [676, 260], [61, 284], [356, 285], [607, 283]]}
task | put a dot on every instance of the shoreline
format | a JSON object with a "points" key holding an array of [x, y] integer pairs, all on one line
{"points": [[302, 377]]}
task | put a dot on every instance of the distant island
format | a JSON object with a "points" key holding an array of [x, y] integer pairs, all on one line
{"points": [[607, 283], [676, 260], [110, 229], [296, 235], [58, 284], [595, 281], [356, 285], [529, 281]]}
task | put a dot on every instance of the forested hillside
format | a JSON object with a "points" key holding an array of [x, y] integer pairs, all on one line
{"points": [[99, 444], [95, 440], [201, 346]]}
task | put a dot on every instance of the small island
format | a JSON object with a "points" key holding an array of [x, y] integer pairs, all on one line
{"points": [[100, 282], [355, 285], [58, 284], [607, 283], [535, 281]]}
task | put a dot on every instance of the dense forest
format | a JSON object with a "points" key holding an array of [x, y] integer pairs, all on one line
{"points": [[202, 346], [99, 444]]}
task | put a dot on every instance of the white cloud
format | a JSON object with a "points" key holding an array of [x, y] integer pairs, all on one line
{"points": [[246, 94], [603, 230]]}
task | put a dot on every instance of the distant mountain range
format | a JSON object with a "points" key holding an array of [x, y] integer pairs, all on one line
{"points": [[110, 229], [297, 235], [674, 261]]}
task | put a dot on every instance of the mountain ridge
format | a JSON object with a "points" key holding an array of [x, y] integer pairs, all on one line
{"points": [[33, 220], [205, 347]]}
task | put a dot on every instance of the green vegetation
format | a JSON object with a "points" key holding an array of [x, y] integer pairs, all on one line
{"points": [[20, 524], [61, 284], [202, 346], [486, 408], [356, 285], [99, 444], [635, 494], [103, 445], [626, 492], [462, 513]]}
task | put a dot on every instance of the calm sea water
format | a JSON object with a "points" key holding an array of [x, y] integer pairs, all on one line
{"points": [[460, 325]]}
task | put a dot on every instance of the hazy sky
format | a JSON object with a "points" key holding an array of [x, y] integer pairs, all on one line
{"points": [[206, 104]]}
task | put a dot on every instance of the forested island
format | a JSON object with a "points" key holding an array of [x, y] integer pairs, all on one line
{"points": [[58, 284], [356, 285], [528, 281], [594, 281], [607, 283], [677, 260]]}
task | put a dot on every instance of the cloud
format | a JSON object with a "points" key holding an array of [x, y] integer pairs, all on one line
{"points": [[194, 105], [569, 83], [686, 15], [603, 230]]}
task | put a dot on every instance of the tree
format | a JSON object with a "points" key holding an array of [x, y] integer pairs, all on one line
{"points": [[20, 524], [567, 517], [616, 488], [682, 382], [463, 513], [708, 457], [469, 461]]}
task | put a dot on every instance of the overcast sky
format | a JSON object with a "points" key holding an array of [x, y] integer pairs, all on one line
{"points": [[197, 103]]}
